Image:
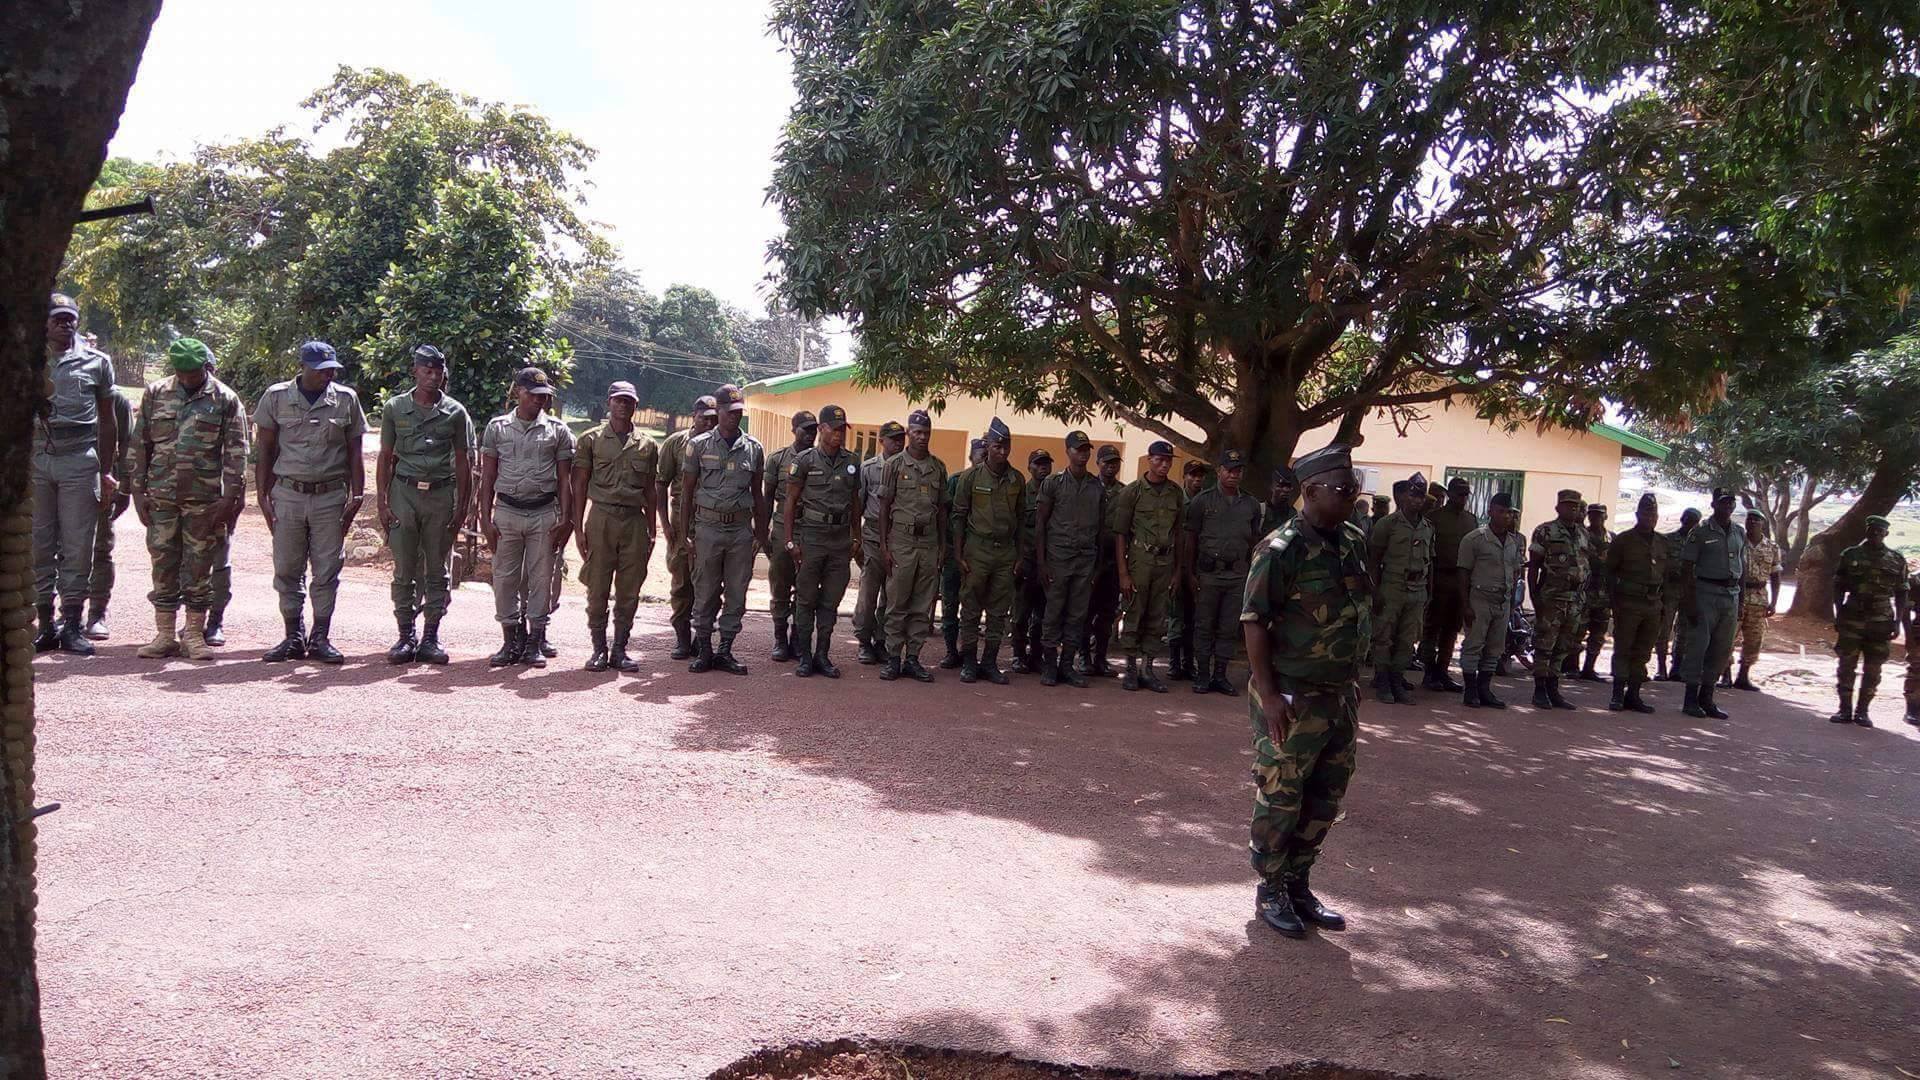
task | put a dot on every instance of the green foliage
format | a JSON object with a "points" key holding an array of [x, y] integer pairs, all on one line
{"points": [[673, 348]]}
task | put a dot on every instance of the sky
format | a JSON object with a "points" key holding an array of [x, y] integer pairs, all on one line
{"points": [[684, 101]]}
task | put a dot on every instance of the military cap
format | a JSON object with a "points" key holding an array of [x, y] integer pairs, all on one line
{"points": [[188, 354], [1107, 453], [62, 302], [997, 431], [1039, 455], [1233, 459], [1880, 521], [1755, 515], [974, 446], [1160, 448], [1417, 480], [1324, 460], [1648, 502], [1435, 489], [833, 416], [1568, 495], [1691, 513], [534, 381], [1721, 495], [319, 356], [1595, 508], [1380, 500], [803, 420], [625, 390], [1196, 467], [1077, 439], [1400, 487], [919, 420], [705, 405], [1459, 484], [1501, 499], [892, 429], [427, 354], [730, 398], [1285, 475]]}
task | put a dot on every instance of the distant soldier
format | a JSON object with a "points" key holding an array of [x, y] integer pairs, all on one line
{"points": [[1451, 524], [1869, 593], [870, 609], [1103, 607], [311, 481], [1911, 617], [670, 497], [101, 579], [1675, 623], [986, 511], [1382, 509], [616, 471], [820, 530], [1180, 662], [1599, 593], [1759, 597], [1222, 526], [188, 468], [1030, 585], [780, 569], [424, 480], [913, 531], [1716, 557], [725, 488], [1635, 572], [1489, 560], [223, 556], [1069, 527], [526, 513], [1148, 517], [1282, 490], [1400, 556], [1307, 622], [74, 451], [1556, 578], [950, 575]]}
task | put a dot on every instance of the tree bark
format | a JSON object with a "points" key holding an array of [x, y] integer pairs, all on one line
{"points": [[1813, 588], [1802, 523], [65, 69]]}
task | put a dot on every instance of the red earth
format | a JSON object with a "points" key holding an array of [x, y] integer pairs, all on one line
{"points": [[375, 871]]}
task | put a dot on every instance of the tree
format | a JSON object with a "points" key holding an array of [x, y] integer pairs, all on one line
{"points": [[607, 327], [1244, 220], [693, 350], [775, 343]]}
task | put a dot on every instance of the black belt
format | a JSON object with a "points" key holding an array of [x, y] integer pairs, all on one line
{"points": [[1211, 565], [720, 517], [983, 538], [318, 487], [535, 503], [916, 528], [423, 485], [822, 517], [1723, 582], [1154, 549]]}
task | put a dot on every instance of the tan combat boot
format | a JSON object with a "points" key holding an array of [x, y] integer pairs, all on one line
{"points": [[164, 644], [193, 639]]}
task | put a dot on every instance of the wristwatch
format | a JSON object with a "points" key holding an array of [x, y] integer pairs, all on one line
{"points": [[792, 544]]}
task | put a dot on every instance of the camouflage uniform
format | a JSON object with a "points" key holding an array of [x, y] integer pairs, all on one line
{"points": [[1874, 579], [1763, 561], [190, 451], [1558, 616], [1151, 516], [987, 513]]}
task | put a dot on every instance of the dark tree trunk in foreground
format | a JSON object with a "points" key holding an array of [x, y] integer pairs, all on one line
{"points": [[65, 69], [1813, 587]]}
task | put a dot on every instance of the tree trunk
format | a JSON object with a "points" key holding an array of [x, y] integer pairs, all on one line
{"points": [[1813, 588], [65, 68], [1802, 524]]}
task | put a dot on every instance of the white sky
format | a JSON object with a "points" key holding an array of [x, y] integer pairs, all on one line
{"points": [[684, 101]]}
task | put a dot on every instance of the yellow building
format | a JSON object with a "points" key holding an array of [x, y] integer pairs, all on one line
{"points": [[1450, 442]]}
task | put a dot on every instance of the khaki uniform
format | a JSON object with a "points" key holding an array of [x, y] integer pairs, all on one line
{"points": [[823, 526], [1151, 517], [1224, 531], [1763, 561], [780, 568], [986, 514], [190, 451], [723, 505], [1404, 549], [526, 510], [916, 491], [422, 495], [66, 473], [1558, 614], [1076, 527], [1103, 601], [100, 578], [621, 473], [1491, 564], [1717, 558], [310, 478], [1636, 575], [870, 607], [673, 458], [1444, 614]]}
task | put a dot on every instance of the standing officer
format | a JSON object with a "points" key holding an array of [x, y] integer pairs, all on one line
{"points": [[1716, 559], [100, 579], [526, 490], [1400, 554], [1148, 517], [913, 530], [1030, 586], [1599, 593], [73, 479], [1180, 663], [1222, 526], [311, 481], [424, 481], [1069, 527], [188, 468], [1282, 489], [670, 496], [1556, 578], [1675, 624], [870, 608], [1451, 524], [1103, 607], [1759, 596], [1382, 509], [617, 469], [1636, 574], [726, 489], [1489, 560], [987, 542], [1307, 622], [779, 564], [820, 530], [951, 576], [1869, 593]]}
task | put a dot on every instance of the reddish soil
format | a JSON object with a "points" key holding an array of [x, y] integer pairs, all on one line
{"points": [[377, 871]]}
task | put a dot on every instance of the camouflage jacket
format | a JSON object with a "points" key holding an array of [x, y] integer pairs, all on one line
{"points": [[1562, 551], [1763, 561], [1314, 598], [189, 447], [1599, 590], [1874, 577]]}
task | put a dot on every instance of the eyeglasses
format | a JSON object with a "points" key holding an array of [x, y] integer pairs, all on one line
{"points": [[1345, 491]]}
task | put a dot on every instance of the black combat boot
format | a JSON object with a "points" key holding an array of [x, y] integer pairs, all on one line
{"points": [[1745, 681], [1860, 717], [1277, 911], [892, 669], [406, 647], [1618, 703], [1101, 639], [1571, 665], [1201, 684], [1845, 715], [1540, 698], [1913, 713], [913, 669], [822, 659], [1430, 674], [1588, 674], [291, 647], [1220, 683], [534, 653], [782, 644], [217, 625], [319, 648], [1660, 673], [869, 655], [723, 659], [1049, 667], [682, 643], [1310, 909], [1382, 687], [1487, 697], [1470, 696], [1553, 695], [802, 646], [1726, 679], [953, 659], [1070, 672], [1023, 658], [1149, 679], [970, 664], [429, 651], [1130, 679], [509, 646], [49, 638], [702, 655], [1402, 689], [73, 630], [1690, 703], [622, 634], [599, 659], [1441, 679], [1706, 703], [1634, 701], [990, 665]]}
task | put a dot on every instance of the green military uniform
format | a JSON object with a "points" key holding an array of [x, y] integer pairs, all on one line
{"points": [[673, 463], [780, 568], [1272, 517], [723, 520], [100, 578], [190, 452], [315, 440], [1871, 580], [1150, 518], [423, 495], [824, 522], [1559, 613], [1912, 687], [1030, 585], [1444, 614], [1599, 597], [1075, 529], [1222, 530], [1490, 561], [950, 576], [870, 607], [1636, 574], [1103, 603], [621, 470], [1675, 624], [1402, 546], [1716, 558], [987, 523], [915, 489]]}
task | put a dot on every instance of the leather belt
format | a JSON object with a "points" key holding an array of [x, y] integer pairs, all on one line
{"points": [[720, 517], [821, 517], [1154, 549], [1722, 582], [318, 487], [423, 485], [535, 503]]}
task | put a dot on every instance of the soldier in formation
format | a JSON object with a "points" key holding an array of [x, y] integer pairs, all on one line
{"points": [[1069, 528], [1635, 572], [1148, 518], [1714, 559], [74, 450], [870, 609], [913, 531], [670, 497], [1030, 587], [1400, 558], [100, 580], [1598, 592], [526, 492], [1675, 624], [1489, 560], [1869, 595], [1759, 598], [615, 479], [950, 572], [1180, 661], [1556, 579], [725, 487], [1282, 490], [1103, 606], [1445, 612], [780, 570], [820, 530], [988, 498], [424, 481], [1223, 524]]}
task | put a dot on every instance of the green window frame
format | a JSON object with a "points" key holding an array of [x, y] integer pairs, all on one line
{"points": [[1486, 482]]}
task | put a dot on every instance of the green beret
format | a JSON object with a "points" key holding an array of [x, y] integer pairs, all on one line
{"points": [[189, 354]]}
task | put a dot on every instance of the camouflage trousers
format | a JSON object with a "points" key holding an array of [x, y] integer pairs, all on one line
{"points": [[1559, 621], [1865, 646], [986, 592], [1398, 618], [1913, 675], [1636, 624], [1599, 621], [1298, 785], [184, 547], [1753, 631]]}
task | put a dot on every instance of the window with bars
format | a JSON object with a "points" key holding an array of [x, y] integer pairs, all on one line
{"points": [[1486, 482]]}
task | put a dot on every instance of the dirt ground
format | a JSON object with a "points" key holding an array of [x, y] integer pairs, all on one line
{"points": [[376, 871]]}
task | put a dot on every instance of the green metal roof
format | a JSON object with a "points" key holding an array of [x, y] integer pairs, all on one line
{"points": [[801, 380], [1639, 444]]}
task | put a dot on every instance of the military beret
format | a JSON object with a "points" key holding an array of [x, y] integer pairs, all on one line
{"points": [[730, 398], [1880, 521], [62, 302], [705, 405], [1418, 480], [1233, 459], [188, 354], [319, 356], [918, 420], [1459, 483], [833, 416], [1193, 467], [997, 431], [623, 389], [803, 420], [1721, 495], [1324, 460], [1108, 453], [1501, 499], [1160, 448], [1648, 502], [427, 354], [1077, 439], [892, 429], [534, 381], [1039, 455]]}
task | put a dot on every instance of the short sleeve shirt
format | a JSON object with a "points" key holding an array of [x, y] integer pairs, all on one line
{"points": [[1225, 529], [423, 438], [621, 469], [529, 453], [1150, 514], [673, 458], [315, 438], [828, 486], [1492, 563], [724, 471], [1717, 553], [1074, 505], [78, 378]]}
